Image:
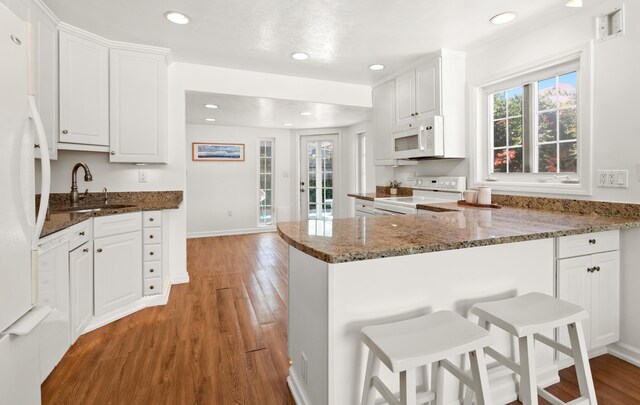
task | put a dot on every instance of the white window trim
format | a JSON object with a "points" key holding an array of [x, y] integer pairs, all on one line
{"points": [[534, 182], [361, 186], [273, 184]]}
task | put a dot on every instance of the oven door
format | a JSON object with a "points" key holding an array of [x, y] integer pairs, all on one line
{"points": [[384, 208]]}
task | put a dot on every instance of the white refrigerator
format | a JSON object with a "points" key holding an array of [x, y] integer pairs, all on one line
{"points": [[20, 227]]}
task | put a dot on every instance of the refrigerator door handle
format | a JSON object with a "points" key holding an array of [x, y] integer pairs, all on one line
{"points": [[45, 165]]}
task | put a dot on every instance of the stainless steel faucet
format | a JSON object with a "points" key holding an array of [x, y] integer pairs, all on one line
{"points": [[74, 196], [106, 196]]}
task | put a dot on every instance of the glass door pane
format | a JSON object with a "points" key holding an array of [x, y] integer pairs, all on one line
{"points": [[319, 165]]}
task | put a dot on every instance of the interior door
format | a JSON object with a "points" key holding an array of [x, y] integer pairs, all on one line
{"points": [[318, 157]]}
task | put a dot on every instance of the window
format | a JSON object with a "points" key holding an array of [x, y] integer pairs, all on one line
{"points": [[533, 127], [361, 163], [266, 184]]}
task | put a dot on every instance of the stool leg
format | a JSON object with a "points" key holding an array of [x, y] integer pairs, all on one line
{"points": [[583, 369], [408, 387], [437, 382], [369, 392], [480, 377], [528, 384]]}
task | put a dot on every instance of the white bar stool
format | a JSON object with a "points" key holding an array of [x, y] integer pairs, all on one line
{"points": [[526, 317], [430, 339]]}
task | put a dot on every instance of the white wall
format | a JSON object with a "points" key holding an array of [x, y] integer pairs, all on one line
{"points": [[350, 160], [215, 188]]}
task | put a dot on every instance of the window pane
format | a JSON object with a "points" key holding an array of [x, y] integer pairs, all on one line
{"points": [[547, 159], [267, 164], [515, 131], [263, 181], [312, 210], [312, 180], [569, 157], [547, 96], [328, 195], [267, 199], [514, 101], [312, 195], [568, 123], [516, 164], [499, 105], [567, 92], [500, 161], [328, 164], [267, 215], [500, 133], [547, 126], [267, 183], [327, 180]]}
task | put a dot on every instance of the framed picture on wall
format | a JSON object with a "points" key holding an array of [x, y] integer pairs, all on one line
{"points": [[219, 152]]}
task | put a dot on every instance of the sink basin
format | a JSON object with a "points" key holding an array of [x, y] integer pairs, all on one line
{"points": [[95, 208]]}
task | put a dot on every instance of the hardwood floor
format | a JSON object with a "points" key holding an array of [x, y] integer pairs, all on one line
{"points": [[222, 339]]}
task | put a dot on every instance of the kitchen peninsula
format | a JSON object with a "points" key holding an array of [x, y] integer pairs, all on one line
{"points": [[348, 273]]}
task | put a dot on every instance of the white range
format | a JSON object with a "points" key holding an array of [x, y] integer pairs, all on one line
{"points": [[426, 190]]}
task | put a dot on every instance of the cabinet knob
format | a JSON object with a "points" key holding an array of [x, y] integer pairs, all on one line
{"points": [[99, 250], [113, 152], [597, 268], [590, 270], [150, 236], [151, 287], [81, 233], [150, 253], [85, 250], [36, 146], [592, 241], [64, 131], [151, 219], [151, 270]]}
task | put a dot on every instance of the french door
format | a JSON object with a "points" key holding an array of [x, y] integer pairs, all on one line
{"points": [[318, 157]]}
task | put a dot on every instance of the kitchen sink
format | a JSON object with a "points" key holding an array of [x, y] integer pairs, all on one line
{"points": [[94, 208]]}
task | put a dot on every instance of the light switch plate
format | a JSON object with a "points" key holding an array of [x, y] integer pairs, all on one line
{"points": [[142, 176]]}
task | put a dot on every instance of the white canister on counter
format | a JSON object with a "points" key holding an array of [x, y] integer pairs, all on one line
{"points": [[484, 195]]}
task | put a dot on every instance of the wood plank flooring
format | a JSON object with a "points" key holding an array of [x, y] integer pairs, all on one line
{"points": [[222, 339]]}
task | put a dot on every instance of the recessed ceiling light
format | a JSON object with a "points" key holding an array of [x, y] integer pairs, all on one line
{"points": [[376, 67], [305, 113], [503, 18], [287, 124], [300, 56], [211, 105], [210, 119], [574, 3], [176, 17]]}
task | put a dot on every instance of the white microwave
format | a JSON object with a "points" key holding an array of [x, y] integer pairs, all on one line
{"points": [[424, 140]]}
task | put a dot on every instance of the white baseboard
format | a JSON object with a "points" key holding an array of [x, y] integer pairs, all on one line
{"points": [[209, 234], [625, 352], [297, 391], [179, 278]]}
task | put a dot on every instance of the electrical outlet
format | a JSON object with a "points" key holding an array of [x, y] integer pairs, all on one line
{"points": [[142, 176], [304, 366], [230, 213], [613, 178]]}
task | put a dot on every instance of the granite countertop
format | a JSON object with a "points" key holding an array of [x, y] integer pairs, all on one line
{"points": [[457, 227], [369, 196], [59, 219]]}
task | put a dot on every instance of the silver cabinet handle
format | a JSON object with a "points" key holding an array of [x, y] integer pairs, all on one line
{"points": [[113, 152], [99, 250], [81, 233], [85, 250], [592, 241], [36, 146]]}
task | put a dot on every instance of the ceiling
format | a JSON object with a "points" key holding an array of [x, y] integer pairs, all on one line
{"points": [[343, 37], [270, 112]]}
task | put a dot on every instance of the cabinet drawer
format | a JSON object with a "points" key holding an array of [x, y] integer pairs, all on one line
{"points": [[152, 235], [152, 269], [153, 286], [116, 224], [152, 252], [152, 218], [364, 206], [578, 245], [80, 233]]}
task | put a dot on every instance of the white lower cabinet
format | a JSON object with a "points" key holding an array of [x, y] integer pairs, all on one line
{"points": [[117, 269], [593, 282], [81, 288], [153, 250]]}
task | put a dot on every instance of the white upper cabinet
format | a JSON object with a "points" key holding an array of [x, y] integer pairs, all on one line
{"points": [[428, 88], [138, 100], [405, 99], [44, 73], [84, 91], [382, 123]]}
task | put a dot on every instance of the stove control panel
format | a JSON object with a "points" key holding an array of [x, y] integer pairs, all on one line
{"points": [[444, 183]]}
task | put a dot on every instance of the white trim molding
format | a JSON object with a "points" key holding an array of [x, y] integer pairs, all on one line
{"points": [[231, 232], [535, 183], [297, 390], [625, 352]]}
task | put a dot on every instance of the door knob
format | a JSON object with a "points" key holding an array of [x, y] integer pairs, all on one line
{"points": [[302, 190]]}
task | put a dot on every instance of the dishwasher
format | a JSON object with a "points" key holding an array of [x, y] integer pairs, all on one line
{"points": [[53, 291]]}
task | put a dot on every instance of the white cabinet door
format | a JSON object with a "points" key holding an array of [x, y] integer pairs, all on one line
{"points": [[574, 285], [118, 271], [428, 95], [81, 287], [405, 100], [84, 91], [382, 123], [44, 74], [605, 299], [138, 125]]}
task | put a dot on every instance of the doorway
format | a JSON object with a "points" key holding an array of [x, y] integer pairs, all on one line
{"points": [[318, 177]]}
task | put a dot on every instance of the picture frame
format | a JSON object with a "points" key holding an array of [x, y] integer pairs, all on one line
{"points": [[217, 152]]}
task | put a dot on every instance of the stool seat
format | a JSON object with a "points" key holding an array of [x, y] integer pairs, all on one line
{"points": [[529, 313], [415, 342]]}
